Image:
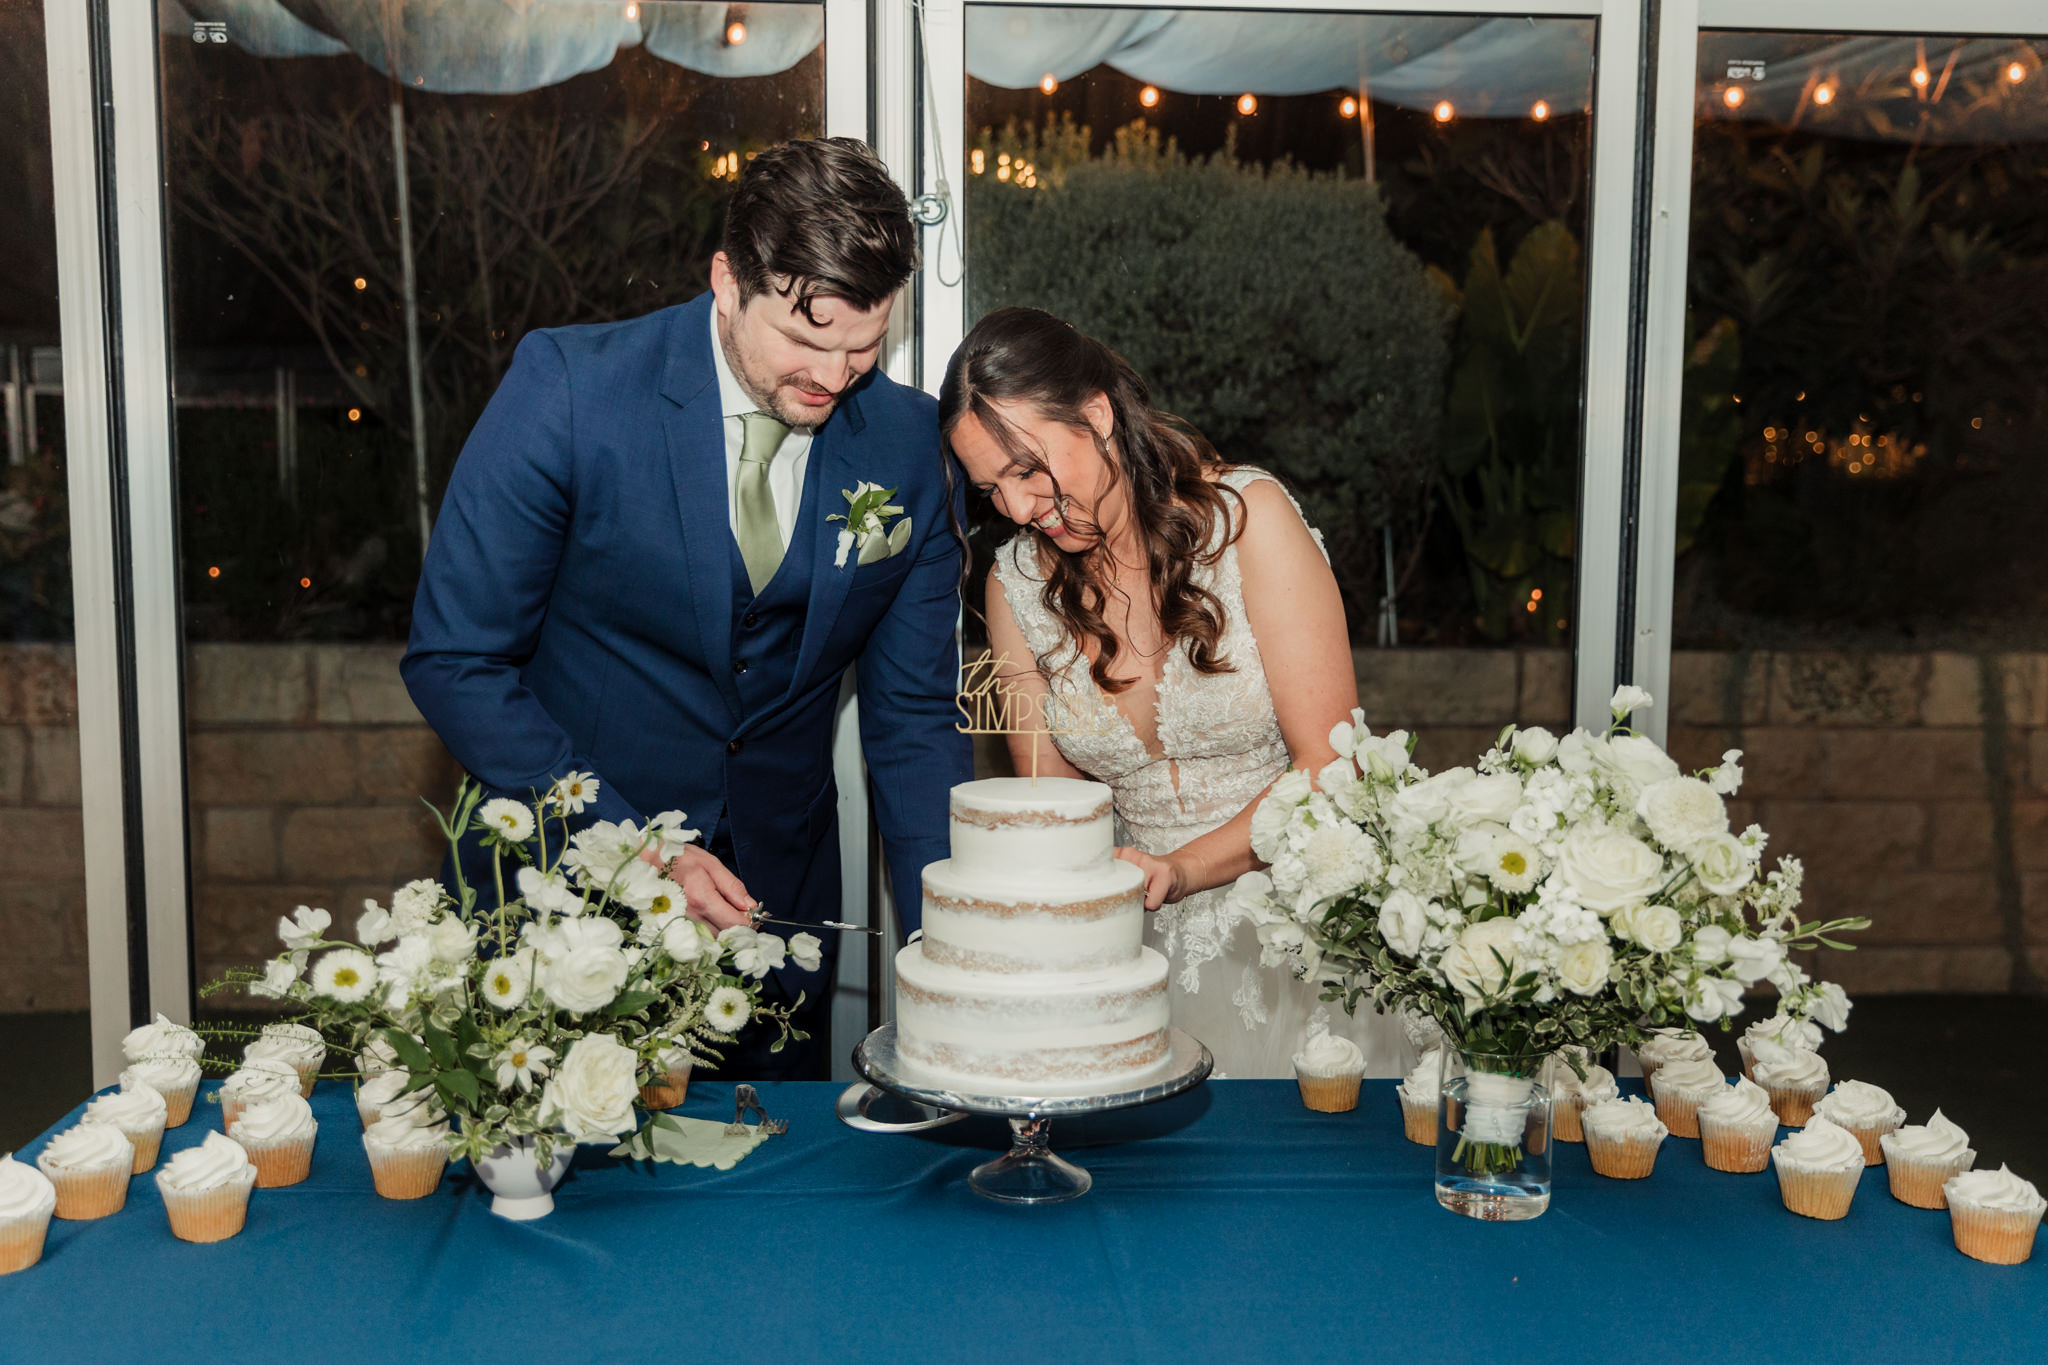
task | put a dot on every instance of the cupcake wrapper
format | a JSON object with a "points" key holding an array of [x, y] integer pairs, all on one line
{"points": [[280, 1163], [407, 1175], [21, 1242], [178, 1103], [1680, 1113], [662, 1095], [1564, 1119], [1737, 1150], [1873, 1149], [1649, 1076], [146, 1143], [308, 1075], [84, 1195], [207, 1215], [1623, 1158], [368, 1113], [1998, 1236], [1918, 1182], [1794, 1105], [230, 1110], [1748, 1062], [1817, 1194], [1329, 1094], [1418, 1122]]}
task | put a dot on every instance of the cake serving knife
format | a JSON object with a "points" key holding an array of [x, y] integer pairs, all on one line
{"points": [[756, 918]]}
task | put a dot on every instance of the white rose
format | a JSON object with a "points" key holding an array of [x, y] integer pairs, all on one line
{"points": [[1723, 864], [584, 968], [1657, 927], [684, 940], [1752, 959], [1582, 968], [1274, 813], [590, 1097], [1628, 697], [1473, 966], [1419, 805], [451, 940], [1632, 762], [1607, 869], [1712, 999], [1535, 746], [1491, 798], [1682, 812], [1575, 753], [1403, 920], [1710, 945]]}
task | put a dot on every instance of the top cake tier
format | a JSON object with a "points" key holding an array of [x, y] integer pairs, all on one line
{"points": [[1011, 824]]}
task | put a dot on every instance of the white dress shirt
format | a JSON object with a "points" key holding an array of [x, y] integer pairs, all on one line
{"points": [[785, 470]]}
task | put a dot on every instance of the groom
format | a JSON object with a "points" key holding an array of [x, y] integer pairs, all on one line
{"points": [[634, 574]]}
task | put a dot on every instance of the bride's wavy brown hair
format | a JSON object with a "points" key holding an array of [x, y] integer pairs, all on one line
{"points": [[1025, 355]]}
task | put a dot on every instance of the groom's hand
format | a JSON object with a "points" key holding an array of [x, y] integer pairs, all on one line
{"points": [[715, 896]]}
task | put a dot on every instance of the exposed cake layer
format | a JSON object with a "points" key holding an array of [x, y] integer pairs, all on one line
{"points": [[1071, 923], [1044, 1034], [1015, 827]]}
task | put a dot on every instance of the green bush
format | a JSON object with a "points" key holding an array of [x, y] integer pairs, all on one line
{"points": [[1269, 306]]}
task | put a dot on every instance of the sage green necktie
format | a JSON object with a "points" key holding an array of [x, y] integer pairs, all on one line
{"points": [[753, 522]]}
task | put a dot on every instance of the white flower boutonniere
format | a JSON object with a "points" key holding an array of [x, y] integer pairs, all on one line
{"points": [[868, 511]]}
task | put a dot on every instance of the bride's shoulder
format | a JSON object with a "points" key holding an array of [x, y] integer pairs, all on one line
{"points": [[1016, 560], [1271, 521]]}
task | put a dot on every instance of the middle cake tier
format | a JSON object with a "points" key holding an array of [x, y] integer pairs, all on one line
{"points": [[1044, 922]]}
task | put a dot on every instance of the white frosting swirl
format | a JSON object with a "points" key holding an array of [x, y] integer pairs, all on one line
{"points": [[25, 1192], [162, 1038], [1422, 1085], [1858, 1104], [293, 1052], [87, 1147], [131, 1110], [1784, 1030], [1999, 1190], [1823, 1145], [1623, 1118], [1741, 1105], [1667, 1045], [398, 1131], [1329, 1054], [1787, 1068], [162, 1074], [214, 1164], [1938, 1140], [284, 1119], [377, 1056], [265, 1078], [1687, 1074], [381, 1089], [1597, 1088]]}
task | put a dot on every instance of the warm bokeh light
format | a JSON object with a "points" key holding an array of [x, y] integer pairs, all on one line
{"points": [[362, 283], [1247, 105], [735, 34], [2015, 73], [632, 11], [1824, 94], [1444, 112], [1002, 172], [1349, 107], [355, 414], [1048, 83], [305, 582], [1732, 97], [1149, 96], [213, 571], [977, 160], [1540, 110], [1920, 75]]}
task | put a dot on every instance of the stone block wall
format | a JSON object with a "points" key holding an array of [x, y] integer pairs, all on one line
{"points": [[1914, 786]]}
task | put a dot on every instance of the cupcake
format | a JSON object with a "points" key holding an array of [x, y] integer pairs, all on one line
{"points": [[1782, 1029], [671, 1079], [1679, 1088], [1794, 1078], [139, 1112], [1994, 1215], [1921, 1159], [1422, 1032], [300, 1047], [1737, 1126], [278, 1136], [1666, 1045], [377, 1056], [89, 1165], [1866, 1111], [378, 1092], [206, 1190], [1570, 1096], [1418, 1095], [1622, 1136], [263, 1079], [406, 1157], [1818, 1167], [1328, 1069], [162, 1038], [27, 1198], [165, 1057]]}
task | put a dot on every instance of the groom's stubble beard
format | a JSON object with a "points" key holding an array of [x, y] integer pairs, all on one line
{"points": [[765, 390]]}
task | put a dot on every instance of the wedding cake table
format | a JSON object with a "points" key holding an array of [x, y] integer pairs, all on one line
{"points": [[1227, 1221]]}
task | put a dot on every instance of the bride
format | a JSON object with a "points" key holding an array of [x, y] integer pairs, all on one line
{"points": [[1189, 599]]}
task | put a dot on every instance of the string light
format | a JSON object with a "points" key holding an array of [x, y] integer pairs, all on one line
{"points": [[361, 284], [355, 414], [2015, 73], [1824, 94], [1047, 84], [1149, 96], [978, 160], [305, 582], [1348, 108], [1247, 105], [213, 571], [1444, 111], [1732, 97], [1540, 110], [735, 34], [1920, 76], [632, 11]]}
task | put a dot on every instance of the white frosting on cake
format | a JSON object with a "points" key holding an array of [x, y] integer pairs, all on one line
{"points": [[1030, 978]]}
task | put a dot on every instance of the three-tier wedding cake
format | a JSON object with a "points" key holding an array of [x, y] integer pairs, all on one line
{"points": [[1030, 978]]}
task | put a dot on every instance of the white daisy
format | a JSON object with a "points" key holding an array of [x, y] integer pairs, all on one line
{"points": [[573, 792], [344, 975], [1512, 863], [507, 819], [728, 1009], [507, 980], [521, 1062]]}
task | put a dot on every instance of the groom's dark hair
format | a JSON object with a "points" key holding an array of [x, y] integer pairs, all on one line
{"points": [[819, 218]]}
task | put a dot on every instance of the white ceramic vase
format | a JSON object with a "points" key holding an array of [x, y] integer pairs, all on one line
{"points": [[522, 1189]]}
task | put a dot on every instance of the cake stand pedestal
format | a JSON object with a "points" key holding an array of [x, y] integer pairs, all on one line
{"points": [[1030, 1172]]}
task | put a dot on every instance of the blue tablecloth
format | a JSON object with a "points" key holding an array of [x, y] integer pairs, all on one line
{"points": [[1230, 1223]]}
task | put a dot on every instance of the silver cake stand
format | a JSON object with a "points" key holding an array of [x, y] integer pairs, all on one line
{"points": [[898, 1099]]}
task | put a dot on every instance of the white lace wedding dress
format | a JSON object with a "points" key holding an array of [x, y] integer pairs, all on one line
{"points": [[1219, 745]]}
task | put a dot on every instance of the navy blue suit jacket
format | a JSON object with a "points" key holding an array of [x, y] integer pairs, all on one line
{"points": [[575, 611]]}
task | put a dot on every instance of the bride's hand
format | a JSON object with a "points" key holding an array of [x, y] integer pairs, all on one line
{"points": [[1165, 881]]}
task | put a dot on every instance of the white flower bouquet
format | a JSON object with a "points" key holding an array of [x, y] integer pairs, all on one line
{"points": [[1564, 893], [542, 1016]]}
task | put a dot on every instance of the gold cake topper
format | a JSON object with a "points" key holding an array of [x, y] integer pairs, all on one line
{"points": [[988, 707]]}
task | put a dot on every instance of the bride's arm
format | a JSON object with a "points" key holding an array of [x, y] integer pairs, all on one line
{"points": [[1022, 677], [1297, 617]]}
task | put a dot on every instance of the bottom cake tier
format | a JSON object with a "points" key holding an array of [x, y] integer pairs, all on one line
{"points": [[1052, 1034]]}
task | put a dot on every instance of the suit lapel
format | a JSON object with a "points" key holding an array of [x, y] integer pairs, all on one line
{"points": [[693, 431]]}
